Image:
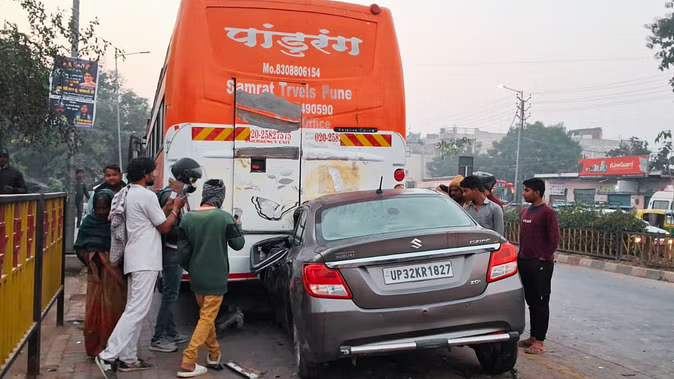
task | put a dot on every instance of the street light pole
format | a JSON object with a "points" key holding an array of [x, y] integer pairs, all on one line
{"points": [[119, 127]]}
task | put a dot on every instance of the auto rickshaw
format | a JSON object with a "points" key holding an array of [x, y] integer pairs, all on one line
{"points": [[658, 217]]}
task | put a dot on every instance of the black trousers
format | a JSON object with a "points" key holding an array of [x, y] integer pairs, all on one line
{"points": [[80, 211], [536, 278]]}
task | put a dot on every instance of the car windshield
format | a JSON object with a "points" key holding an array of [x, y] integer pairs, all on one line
{"points": [[392, 215]]}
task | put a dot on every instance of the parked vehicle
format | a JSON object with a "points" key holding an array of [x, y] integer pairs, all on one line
{"points": [[657, 219], [279, 121], [375, 272], [661, 200]]}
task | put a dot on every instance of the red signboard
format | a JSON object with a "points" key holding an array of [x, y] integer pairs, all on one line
{"points": [[636, 165]]}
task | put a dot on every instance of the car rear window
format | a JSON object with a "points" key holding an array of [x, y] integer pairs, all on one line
{"points": [[392, 215]]}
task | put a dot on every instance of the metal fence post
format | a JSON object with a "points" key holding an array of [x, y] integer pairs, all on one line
{"points": [[34, 341], [619, 245], [60, 302]]}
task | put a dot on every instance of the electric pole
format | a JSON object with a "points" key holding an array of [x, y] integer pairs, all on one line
{"points": [[522, 108], [71, 207]]}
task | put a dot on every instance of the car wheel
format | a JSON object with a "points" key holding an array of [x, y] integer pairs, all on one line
{"points": [[305, 370], [497, 358]]}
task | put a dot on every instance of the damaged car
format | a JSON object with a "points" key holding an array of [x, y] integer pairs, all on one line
{"points": [[380, 272]]}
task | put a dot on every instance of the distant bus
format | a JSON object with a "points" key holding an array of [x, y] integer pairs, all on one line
{"points": [[283, 100]]}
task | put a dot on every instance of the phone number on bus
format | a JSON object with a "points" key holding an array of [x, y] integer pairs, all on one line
{"points": [[290, 70], [317, 109]]}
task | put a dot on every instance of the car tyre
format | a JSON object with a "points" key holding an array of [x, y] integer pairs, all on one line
{"points": [[305, 369], [497, 358]]}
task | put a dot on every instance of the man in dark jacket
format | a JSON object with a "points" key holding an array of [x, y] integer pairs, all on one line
{"points": [[166, 336], [11, 179], [204, 236]]}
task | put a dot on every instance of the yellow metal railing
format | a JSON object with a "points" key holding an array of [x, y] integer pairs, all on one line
{"points": [[651, 250], [31, 271]]}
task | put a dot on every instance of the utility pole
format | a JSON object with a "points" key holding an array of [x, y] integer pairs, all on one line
{"points": [[119, 128], [522, 109], [71, 208]]}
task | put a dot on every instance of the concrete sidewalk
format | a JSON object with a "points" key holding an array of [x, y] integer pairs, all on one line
{"points": [[616, 267]]}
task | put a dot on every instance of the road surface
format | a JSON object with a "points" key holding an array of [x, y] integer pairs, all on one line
{"points": [[603, 325]]}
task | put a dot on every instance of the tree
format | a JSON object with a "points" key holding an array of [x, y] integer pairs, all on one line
{"points": [[96, 147], [663, 159], [26, 61], [543, 150], [661, 39], [633, 146], [448, 164]]}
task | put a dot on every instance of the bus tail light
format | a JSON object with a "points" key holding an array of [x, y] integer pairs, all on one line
{"points": [[399, 175]]}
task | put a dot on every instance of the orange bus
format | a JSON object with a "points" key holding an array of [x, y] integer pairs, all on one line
{"points": [[284, 101]]}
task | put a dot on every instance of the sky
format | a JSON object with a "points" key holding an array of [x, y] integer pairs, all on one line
{"points": [[584, 63]]}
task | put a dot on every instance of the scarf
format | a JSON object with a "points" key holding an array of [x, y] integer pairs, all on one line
{"points": [[94, 235], [118, 225], [213, 193]]}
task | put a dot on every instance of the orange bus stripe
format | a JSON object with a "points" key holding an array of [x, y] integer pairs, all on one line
{"points": [[370, 138], [196, 131], [203, 134], [363, 140], [383, 139], [242, 134], [224, 134], [213, 134], [344, 140]]}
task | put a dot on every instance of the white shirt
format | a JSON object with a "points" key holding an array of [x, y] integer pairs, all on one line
{"points": [[143, 246]]}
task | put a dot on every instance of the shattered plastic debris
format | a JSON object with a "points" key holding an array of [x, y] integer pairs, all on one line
{"points": [[243, 371]]}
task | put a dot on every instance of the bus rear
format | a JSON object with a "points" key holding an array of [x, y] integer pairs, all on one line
{"points": [[285, 101]]}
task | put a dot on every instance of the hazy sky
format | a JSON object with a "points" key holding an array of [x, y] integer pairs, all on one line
{"points": [[583, 61]]}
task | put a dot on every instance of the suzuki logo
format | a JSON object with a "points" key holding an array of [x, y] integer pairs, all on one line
{"points": [[416, 243]]}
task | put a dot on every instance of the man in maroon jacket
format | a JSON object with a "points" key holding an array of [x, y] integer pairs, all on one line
{"points": [[539, 238]]}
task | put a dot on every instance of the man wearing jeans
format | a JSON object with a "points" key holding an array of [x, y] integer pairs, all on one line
{"points": [[166, 336], [145, 220], [539, 238]]}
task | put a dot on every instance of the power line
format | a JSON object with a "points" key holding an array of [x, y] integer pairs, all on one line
{"points": [[624, 59], [627, 102], [624, 83], [645, 91]]}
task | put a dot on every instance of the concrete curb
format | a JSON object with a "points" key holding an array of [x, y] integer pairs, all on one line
{"points": [[597, 264]]}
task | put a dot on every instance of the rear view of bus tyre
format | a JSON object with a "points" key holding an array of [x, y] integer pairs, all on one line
{"points": [[305, 370], [498, 357]]}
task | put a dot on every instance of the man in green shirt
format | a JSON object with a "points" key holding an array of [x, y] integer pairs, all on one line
{"points": [[204, 235]]}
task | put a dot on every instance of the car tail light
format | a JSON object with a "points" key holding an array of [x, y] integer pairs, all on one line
{"points": [[320, 281], [503, 263], [399, 175]]}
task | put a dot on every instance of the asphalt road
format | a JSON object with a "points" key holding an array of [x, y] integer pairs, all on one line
{"points": [[603, 325]]}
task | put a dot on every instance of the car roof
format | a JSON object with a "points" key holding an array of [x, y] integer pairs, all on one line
{"points": [[357, 196]]}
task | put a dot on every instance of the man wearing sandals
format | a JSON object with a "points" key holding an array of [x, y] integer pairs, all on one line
{"points": [[539, 238], [143, 221], [204, 236]]}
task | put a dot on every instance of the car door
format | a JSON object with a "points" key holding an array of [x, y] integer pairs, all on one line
{"points": [[276, 268]]}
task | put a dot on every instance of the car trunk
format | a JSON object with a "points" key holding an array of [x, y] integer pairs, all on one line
{"points": [[415, 270]]}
